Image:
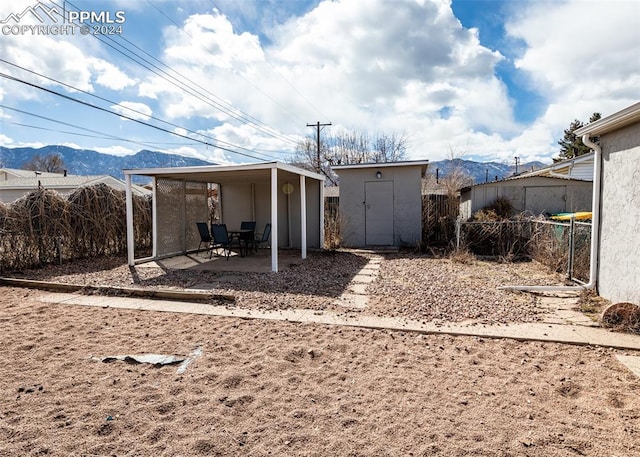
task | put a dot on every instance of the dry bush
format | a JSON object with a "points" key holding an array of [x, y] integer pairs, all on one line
{"points": [[462, 256], [548, 245], [45, 226], [501, 209], [589, 302], [506, 240], [624, 317], [332, 229]]}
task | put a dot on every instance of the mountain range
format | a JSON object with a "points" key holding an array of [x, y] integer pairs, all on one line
{"points": [[88, 162]]}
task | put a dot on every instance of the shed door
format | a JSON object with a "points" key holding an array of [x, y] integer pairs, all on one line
{"points": [[548, 199], [378, 196]]}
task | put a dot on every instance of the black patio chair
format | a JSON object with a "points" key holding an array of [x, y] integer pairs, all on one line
{"points": [[221, 239], [205, 236], [262, 238]]}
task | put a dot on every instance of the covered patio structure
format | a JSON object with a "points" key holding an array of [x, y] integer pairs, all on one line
{"points": [[289, 198]]}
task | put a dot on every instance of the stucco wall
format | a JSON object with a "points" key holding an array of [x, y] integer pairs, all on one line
{"points": [[535, 194], [407, 203], [619, 253], [252, 201]]}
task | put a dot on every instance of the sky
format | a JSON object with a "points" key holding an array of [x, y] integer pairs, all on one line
{"points": [[236, 81]]}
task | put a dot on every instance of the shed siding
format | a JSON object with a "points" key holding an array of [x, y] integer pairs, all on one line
{"points": [[536, 194], [407, 203]]}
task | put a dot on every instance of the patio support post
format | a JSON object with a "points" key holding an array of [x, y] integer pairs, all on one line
{"points": [[274, 219], [130, 236], [303, 216]]}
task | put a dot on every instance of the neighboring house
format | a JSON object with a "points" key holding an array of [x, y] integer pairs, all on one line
{"points": [[18, 183], [580, 167], [617, 219], [381, 203]]}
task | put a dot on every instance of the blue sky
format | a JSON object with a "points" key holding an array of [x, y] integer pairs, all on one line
{"points": [[239, 80]]}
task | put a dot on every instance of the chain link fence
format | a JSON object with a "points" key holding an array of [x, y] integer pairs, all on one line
{"points": [[564, 247]]}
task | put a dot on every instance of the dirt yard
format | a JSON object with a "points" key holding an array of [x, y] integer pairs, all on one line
{"points": [[264, 388]]}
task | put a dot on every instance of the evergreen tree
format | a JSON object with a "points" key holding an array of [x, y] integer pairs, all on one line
{"points": [[570, 145]]}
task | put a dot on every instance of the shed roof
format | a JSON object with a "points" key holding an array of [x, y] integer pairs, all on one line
{"points": [[521, 177], [404, 163]]}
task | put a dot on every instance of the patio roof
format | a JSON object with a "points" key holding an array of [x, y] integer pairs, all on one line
{"points": [[222, 174], [263, 172]]}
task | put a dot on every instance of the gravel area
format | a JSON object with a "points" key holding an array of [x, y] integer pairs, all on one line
{"points": [[407, 285]]}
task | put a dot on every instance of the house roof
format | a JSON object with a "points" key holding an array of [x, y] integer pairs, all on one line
{"points": [[622, 118], [555, 170], [224, 173], [17, 173], [405, 163], [57, 181]]}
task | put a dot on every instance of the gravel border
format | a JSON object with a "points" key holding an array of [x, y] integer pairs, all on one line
{"points": [[408, 285]]}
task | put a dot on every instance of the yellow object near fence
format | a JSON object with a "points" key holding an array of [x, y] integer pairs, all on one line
{"points": [[579, 216]]}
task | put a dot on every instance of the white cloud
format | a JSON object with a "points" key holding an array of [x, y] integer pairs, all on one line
{"points": [[134, 110], [583, 56], [108, 75], [373, 65]]}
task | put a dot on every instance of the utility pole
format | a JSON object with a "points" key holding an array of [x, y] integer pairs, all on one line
{"points": [[317, 125]]}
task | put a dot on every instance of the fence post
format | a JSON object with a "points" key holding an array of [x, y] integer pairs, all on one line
{"points": [[458, 229], [572, 227]]}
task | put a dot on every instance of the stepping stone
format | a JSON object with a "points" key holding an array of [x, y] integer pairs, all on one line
{"points": [[352, 301]]}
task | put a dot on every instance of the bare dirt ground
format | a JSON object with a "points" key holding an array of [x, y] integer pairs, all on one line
{"points": [[271, 388]]}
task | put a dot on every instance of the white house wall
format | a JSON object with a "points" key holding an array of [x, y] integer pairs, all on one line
{"points": [[407, 203], [619, 262]]}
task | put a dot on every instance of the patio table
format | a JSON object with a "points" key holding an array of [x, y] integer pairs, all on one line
{"points": [[241, 235]]}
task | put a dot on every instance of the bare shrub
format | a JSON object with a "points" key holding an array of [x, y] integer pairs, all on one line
{"points": [[332, 229], [506, 240], [589, 302], [45, 226], [501, 209], [548, 245], [462, 256], [622, 317]]}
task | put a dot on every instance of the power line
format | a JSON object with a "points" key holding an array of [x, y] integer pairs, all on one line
{"points": [[289, 83], [67, 97], [97, 134], [210, 99], [125, 107]]}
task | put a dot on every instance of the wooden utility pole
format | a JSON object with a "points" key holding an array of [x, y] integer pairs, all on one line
{"points": [[317, 125]]}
